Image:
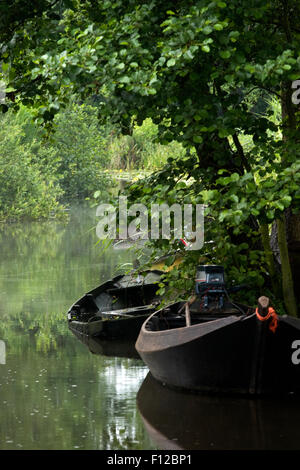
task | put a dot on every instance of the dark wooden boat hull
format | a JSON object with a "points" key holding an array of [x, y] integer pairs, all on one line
{"points": [[122, 328], [235, 354], [115, 309]]}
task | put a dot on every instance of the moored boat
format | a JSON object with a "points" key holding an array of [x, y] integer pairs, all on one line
{"points": [[218, 346], [117, 308]]}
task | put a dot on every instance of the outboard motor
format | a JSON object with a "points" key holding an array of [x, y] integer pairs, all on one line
{"points": [[210, 284]]}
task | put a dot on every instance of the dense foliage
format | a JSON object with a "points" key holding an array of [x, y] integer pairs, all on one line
{"points": [[28, 188], [80, 147], [49, 171], [191, 67]]}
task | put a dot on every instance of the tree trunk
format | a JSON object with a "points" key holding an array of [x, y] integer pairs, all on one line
{"points": [[293, 240], [292, 221], [287, 278], [265, 236]]}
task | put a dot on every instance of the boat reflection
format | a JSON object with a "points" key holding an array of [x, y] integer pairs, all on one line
{"points": [[180, 420], [113, 348]]}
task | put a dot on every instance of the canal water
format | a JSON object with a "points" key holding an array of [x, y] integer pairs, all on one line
{"points": [[54, 392], [60, 392]]}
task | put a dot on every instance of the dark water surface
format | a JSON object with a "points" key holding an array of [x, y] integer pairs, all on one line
{"points": [[178, 420], [59, 392]]}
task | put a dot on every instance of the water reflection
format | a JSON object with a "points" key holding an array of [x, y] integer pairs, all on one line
{"points": [[55, 394], [76, 400], [114, 348], [179, 420], [44, 268]]}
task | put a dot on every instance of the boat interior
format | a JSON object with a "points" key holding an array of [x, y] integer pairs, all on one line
{"points": [[176, 316], [115, 302]]}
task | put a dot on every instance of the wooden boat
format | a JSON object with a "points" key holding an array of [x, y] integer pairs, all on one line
{"points": [[230, 349], [117, 308], [176, 421]]}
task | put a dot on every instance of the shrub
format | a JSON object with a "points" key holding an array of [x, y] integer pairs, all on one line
{"points": [[141, 150], [80, 147], [25, 192]]}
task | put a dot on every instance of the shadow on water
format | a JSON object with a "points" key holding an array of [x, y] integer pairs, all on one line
{"points": [[179, 420], [111, 348]]}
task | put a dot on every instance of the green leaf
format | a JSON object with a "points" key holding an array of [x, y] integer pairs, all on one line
{"points": [[234, 177], [225, 54], [10, 89], [171, 62], [218, 27], [207, 30], [279, 205], [234, 198], [5, 66], [124, 79]]}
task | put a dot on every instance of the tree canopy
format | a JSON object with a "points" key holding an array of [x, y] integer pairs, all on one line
{"points": [[206, 73]]}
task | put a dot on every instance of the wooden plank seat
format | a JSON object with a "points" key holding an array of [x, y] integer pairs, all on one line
{"points": [[127, 312]]}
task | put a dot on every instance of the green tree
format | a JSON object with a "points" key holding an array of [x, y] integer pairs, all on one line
{"points": [[190, 66], [28, 189], [80, 145]]}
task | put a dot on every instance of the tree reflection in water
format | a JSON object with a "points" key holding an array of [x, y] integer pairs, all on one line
{"points": [[56, 394]]}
